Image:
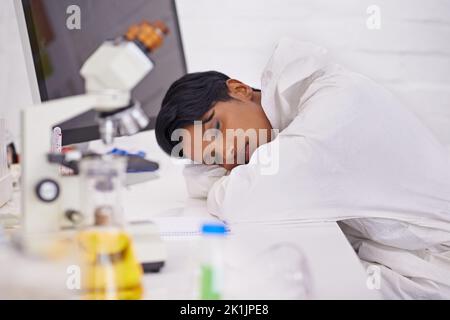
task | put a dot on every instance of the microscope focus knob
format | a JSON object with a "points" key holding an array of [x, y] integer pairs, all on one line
{"points": [[47, 190], [74, 216]]}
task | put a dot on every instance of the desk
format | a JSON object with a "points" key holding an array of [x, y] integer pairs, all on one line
{"points": [[335, 268]]}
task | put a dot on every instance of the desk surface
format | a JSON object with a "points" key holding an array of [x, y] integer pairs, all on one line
{"points": [[335, 268]]}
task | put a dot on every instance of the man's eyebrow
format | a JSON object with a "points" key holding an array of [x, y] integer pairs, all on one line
{"points": [[209, 118]]}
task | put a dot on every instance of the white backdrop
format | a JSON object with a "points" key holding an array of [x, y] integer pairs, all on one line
{"points": [[410, 54]]}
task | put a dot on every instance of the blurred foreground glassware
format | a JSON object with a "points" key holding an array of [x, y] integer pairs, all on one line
{"points": [[110, 270], [280, 271], [212, 262], [35, 273]]}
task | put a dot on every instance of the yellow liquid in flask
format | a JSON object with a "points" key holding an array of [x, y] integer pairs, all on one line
{"points": [[110, 270]]}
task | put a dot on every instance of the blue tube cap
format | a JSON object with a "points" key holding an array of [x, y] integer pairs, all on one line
{"points": [[214, 229]]}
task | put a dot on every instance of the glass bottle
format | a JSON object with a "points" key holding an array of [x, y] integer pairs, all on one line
{"points": [[212, 262], [109, 268]]}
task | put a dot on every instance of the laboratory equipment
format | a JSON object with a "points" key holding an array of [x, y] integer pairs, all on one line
{"points": [[102, 178], [50, 201], [109, 267], [6, 185], [212, 262], [55, 53], [139, 169]]}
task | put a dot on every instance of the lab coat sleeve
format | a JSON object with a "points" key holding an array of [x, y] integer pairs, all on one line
{"points": [[216, 196], [291, 162], [200, 178], [239, 196]]}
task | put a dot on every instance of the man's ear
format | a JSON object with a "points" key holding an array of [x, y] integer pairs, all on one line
{"points": [[239, 90]]}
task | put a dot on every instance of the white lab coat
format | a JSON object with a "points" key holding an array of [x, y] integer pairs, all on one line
{"points": [[347, 151]]}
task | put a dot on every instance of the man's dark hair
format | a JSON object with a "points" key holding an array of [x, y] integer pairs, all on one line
{"points": [[186, 101]]}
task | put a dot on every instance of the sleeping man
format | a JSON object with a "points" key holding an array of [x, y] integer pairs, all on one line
{"points": [[318, 143]]}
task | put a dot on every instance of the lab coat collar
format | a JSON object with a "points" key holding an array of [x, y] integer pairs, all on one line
{"points": [[291, 63]]}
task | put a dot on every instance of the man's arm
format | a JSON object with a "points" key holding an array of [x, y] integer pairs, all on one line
{"points": [[295, 164]]}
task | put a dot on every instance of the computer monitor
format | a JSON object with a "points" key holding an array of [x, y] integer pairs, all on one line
{"points": [[56, 44]]}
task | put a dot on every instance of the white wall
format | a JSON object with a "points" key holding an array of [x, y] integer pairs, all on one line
{"points": [[14, 88], [410, 54]]}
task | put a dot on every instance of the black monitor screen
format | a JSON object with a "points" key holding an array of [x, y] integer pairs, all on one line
{"points": [[64, 33]]}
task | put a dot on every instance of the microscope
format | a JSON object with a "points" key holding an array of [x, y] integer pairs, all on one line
{"points": [[51, 201]]}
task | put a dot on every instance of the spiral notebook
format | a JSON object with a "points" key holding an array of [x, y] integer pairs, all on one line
{"points": [[183, 226]]}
